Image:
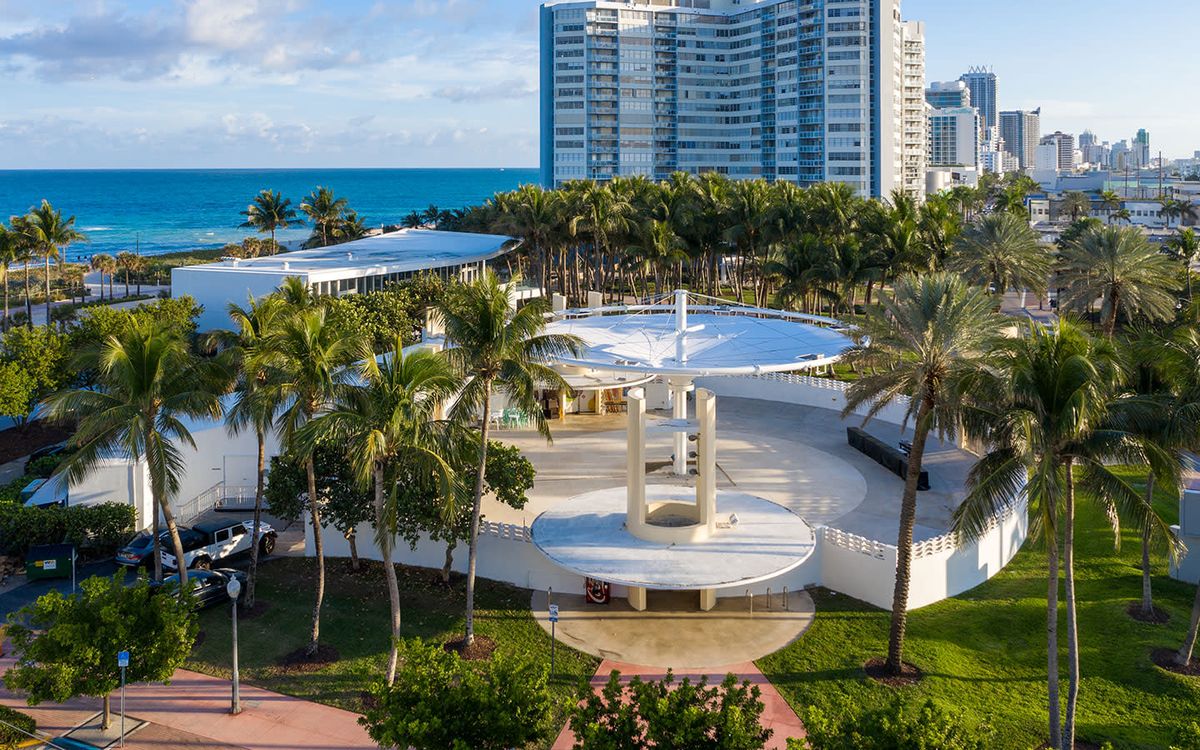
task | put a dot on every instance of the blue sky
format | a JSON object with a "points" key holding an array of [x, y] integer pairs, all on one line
{"points": [[319, 83]]}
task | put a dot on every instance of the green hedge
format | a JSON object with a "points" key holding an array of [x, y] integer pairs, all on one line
{"points": [[10, 738], [98, 529]]}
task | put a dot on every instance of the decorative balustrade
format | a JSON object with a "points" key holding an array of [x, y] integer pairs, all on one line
{"points": [[511, 531]]}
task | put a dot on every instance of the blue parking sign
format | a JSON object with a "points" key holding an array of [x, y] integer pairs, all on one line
{"points": [[122, 658]]}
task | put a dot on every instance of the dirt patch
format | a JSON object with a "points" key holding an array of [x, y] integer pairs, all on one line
{"points": [[1155, 617], [368, 700], [1165, 658], [481, 648], [17, 442], [877, 670], [301, 661], [258, 610]]}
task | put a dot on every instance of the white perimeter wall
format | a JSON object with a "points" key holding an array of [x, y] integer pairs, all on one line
{"points": [[847, 563]]}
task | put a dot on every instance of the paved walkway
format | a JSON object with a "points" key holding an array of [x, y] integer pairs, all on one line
{"points": [[777, 714], [193, 711]]}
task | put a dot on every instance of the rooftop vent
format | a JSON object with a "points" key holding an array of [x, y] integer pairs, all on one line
{"points": [[286, 265]]}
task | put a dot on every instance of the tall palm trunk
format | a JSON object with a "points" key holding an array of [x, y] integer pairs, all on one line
{"points": [[383, 535], [1184, 657], [28, 299], [319, 548], [5, 324], [1147, 592], [258, 498], [473, 545], [1068, 735], [47, 288], [126, 282], [908, 517], [1053, 706]]}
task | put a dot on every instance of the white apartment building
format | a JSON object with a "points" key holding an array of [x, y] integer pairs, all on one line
{"points": [[914, 110], [798, 90], [954, 137]]}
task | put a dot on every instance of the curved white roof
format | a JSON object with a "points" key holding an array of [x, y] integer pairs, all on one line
{"points": [[717, 340], [586, 535]]}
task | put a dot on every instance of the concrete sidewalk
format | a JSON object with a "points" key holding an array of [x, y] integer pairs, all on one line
{"points": [[193, 711], [777, 714]]}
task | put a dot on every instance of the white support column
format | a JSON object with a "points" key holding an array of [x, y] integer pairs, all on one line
{"points": [[595, 299], [708, 599], [558, 303], [679, 391], [706, 459], [637, 598], [635, 460]]}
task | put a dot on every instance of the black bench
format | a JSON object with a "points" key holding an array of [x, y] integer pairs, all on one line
{"points": [[883, 454]]}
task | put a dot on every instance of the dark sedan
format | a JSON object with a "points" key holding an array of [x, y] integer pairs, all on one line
{"points": [[208, 586], [139, 552]]}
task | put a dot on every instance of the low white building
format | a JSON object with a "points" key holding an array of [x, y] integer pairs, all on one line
{"points": [[356, 267]]}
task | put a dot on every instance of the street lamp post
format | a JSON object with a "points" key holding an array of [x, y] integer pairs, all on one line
{"points": [[234, 588]]}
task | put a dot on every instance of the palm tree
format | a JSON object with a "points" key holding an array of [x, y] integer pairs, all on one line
{"points": [[1118, 265], [323, 209], [1110, 201], [9, 242], [412, 220], [1075, 204], [932, 336], [148, 382], [1003, 250], [108, 265], [99, 264], [305, 358], [125, 262], [269, 212], [498, 347], [51, 233], [245, 356], [349, 227], [387, 424], [24, 247], [1185, 245], [1051, 413], [136, 264]]}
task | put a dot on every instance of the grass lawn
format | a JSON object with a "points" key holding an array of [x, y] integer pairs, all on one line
{"points": [[355, 621], [983, 652]]}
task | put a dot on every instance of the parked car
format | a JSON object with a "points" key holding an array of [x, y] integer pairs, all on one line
{"points": [[218, 539], [208, 586], [138, 553]]}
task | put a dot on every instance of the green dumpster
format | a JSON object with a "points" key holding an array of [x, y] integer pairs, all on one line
{"points": [[50, 561]]}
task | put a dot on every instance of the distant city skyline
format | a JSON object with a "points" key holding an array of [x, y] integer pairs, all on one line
{"points": [[288, 83]]}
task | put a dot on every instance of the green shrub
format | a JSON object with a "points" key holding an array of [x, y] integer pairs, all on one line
{"points": [[11, 737], [1188, 737], [45, 465], [97, 529], [440, 702], [10, 492], [892, 727]]}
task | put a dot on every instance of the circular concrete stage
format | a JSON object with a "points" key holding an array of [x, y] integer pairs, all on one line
{"points": [[671, 632], [586, 534]]}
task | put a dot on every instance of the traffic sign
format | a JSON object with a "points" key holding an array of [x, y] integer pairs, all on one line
{"points": [[553, 613], [122, 658]]}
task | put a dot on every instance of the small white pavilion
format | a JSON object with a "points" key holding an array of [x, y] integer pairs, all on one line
{"points": [[675, 537]]}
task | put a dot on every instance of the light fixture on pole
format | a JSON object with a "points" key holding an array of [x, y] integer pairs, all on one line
{"points": [[234, 588]]}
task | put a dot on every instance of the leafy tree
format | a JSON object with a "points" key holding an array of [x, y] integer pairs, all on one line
{"points": [[43, 353], [441, 702], [379, 316], [343, 504], [96, 324], [148, 382], [66, 645], [931, 337], [664, 715], [1075, 204], [268, 212], [891, 727], [9, 254], [497, 346], [18, 392], [420, 509], [51, 234], [1118, 266]]}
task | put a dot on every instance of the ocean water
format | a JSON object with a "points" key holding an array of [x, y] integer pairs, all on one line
{"points": [[161, 211]]}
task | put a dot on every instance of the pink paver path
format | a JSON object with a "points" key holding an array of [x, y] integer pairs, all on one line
{"points": [[777, 714], [199, 704]]}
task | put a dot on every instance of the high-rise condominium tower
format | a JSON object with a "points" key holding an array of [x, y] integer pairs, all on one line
{"points": [[1141, 148], [1064, 144], [798, 90], [1021, 132], [948, 94], [982, 83]]}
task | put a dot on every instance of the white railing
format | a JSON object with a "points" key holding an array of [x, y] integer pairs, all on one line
{"points": [[205, 501], [511, 531], [854, 542], [949, 542], [235, 496], [824, 384]]}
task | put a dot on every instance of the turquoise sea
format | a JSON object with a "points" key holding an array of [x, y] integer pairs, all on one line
{"points": [[166, 210]]}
